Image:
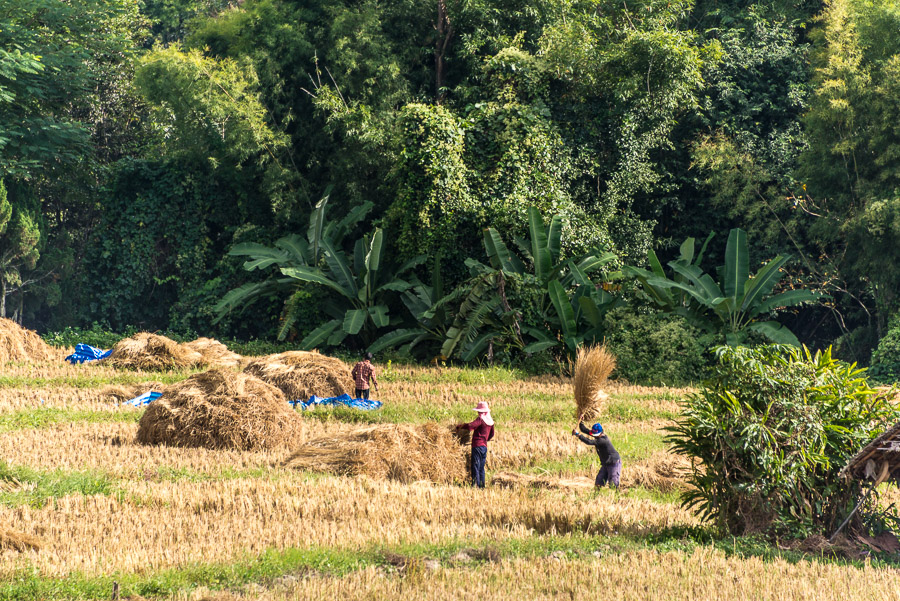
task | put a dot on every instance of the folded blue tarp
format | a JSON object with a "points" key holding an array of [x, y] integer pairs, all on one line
{"points": [[144, 399], [344, 399], [85, 352]]}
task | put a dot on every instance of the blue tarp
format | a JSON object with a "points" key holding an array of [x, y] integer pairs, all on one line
{"points": [[144, 399], [344, 399], [85, 352]]}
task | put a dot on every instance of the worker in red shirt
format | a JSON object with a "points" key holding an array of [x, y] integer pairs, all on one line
{"points": [[482, 431], [362, 372]]}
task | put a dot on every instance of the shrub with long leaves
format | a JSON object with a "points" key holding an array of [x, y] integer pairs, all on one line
{"points": [[769, 433]]}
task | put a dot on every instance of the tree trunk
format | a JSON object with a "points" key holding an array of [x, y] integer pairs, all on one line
{"points": [[444, 34], [2, 297]]}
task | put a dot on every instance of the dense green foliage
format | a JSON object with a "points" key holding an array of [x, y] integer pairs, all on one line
{"points": [[770, 431], [142, 140]]}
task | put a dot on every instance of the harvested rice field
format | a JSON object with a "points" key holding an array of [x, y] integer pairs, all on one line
{"points": [[351, 504]]}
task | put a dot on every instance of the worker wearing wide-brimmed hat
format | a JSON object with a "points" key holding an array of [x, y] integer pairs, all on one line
{"points": [[482, 431], [610, 461]]}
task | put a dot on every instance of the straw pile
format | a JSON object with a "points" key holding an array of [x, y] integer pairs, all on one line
{"points": [[220, 409], [119, 393], [152, 352], [402, 452], [301, 374], [661, 471], [214, 353], [19, 344], [593, 364], [10, 540]]}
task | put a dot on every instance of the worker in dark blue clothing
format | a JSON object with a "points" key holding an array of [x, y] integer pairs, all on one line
{"points": [[610, 461]]}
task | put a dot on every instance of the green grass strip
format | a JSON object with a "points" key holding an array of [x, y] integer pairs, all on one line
{"points": [[26, 486], [45, 417], [93, 380], [273, 564]]}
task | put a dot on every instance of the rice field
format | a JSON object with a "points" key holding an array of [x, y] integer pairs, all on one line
{"points": [[97, 508]]}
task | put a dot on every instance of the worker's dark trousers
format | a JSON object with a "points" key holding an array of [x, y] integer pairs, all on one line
{"points": [[362, 393], [609, 474], [479, 455]]}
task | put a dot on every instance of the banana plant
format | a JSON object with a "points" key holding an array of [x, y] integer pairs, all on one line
{"points": [[360, 284], [570, 305], [733, 306]]}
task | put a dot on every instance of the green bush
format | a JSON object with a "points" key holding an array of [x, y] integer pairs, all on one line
{"points": [[885, 366], [656, 349], [769, 433]]}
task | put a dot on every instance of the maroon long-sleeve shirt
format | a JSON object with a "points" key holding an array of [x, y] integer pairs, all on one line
{"points": [[481, 432]]}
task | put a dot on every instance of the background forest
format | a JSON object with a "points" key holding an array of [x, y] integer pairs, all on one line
{"points": [[479, 180]]}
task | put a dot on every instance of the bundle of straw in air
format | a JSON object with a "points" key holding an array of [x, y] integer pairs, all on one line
{"points": [[593, 364]]}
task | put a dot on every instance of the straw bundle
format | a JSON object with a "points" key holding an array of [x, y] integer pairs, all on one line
{"points": [[401, 452], [515, 480], [152, 352], [220, 409], [10, 540], [661, 471], [214, 353], [301, 374], [593, 364], [19, 344], [118, 393]]}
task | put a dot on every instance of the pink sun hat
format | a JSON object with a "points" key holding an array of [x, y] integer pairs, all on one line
{"points": [[481, 407]]}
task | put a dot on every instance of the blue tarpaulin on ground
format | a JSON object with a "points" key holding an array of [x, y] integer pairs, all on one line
{"points": [[86, 352], [344, 399], [144, 399]]}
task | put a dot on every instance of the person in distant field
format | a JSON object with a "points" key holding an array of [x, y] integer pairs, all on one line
{"points": [[610, 461], [363, 372], [482, 431]]}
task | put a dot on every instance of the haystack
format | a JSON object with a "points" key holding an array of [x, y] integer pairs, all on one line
{"points": [[214, 353], [402, 452], [19, 344], [220, 409], [301, 374], [593, 364], [11, 540], [152, 352]]}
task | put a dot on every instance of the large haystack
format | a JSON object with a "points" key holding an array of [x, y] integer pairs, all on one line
{"points": [[593, 364], [11, 540], [405, 453], [152, 352], [19, 344], [301, 374], [214, 353], [220, 409]]}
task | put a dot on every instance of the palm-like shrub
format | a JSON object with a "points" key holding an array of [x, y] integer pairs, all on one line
{"points": [[768, 435]]}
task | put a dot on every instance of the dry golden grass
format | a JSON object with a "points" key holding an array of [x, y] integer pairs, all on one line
{"points": [[112, 448], [703, 574], [11, 540], [164, 524]]}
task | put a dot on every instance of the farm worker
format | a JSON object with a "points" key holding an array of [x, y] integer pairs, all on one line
{"points": [[610, 461], [362, 372], [482, 431]]}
